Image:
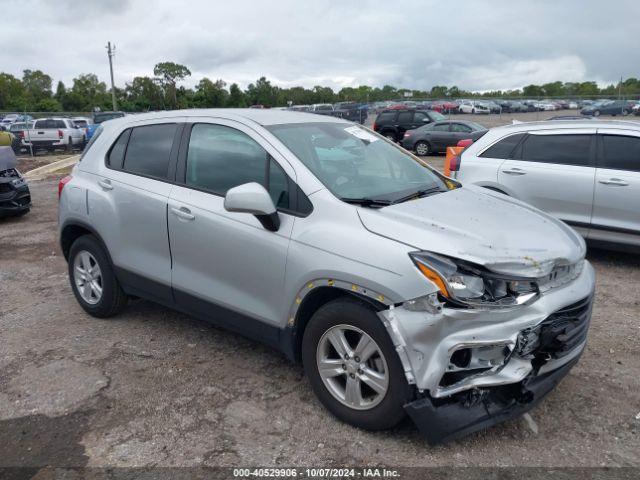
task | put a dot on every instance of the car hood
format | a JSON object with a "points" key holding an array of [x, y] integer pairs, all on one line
{"points": [[7, 159], [480, 226]]}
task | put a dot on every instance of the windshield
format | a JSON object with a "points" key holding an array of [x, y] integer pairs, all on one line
{"points": [[354, 163]]}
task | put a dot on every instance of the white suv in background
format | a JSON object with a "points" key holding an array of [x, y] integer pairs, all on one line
{"points": [[586, 173]]}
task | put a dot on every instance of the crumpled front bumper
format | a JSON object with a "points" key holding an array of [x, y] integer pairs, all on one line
{"points": [[443, 422], [515, 356]]}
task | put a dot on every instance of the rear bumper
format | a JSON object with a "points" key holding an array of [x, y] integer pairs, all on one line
{"points": [[441, 422]]}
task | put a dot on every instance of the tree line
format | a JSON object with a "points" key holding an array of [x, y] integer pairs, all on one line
{"points": [[34, 92]]}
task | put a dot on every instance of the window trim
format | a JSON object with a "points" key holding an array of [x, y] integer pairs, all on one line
{"points": [[296, 195], [172, 154]]}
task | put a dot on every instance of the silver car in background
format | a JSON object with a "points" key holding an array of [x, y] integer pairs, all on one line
{"points": [[586, 173], [400, 290]]}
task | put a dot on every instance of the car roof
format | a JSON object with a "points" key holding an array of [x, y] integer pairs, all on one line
{"points": [[264, 117], [554, 124]]}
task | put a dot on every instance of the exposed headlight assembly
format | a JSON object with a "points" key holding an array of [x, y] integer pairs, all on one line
{"points": [[463, 284]]}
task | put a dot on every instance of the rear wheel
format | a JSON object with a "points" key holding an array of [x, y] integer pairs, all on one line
{"points": [[422, 148], [625, 113], [353, 367], [391, 136], [596, 113], [69, 147], [93, 281]]}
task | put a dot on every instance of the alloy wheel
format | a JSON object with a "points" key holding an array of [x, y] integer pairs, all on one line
{"points": [[87, 277], [352, 367]]}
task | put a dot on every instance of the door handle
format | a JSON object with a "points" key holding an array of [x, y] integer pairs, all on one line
{"points": [[514, 171], [183, 212], [106, 184], [616, 182]]}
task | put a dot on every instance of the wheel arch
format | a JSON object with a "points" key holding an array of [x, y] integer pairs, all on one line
{"points": [[312, 297], [73, 230]]}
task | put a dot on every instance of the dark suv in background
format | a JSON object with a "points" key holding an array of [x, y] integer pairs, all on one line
{"points": [[352, 111], [394, 123]]}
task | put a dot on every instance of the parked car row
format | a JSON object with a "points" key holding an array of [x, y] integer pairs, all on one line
{"points": [[352, 111]]}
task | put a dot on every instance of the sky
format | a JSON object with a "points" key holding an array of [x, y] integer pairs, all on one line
{"points": [[478, 45]]}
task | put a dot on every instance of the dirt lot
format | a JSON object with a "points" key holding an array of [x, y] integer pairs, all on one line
{"points": [[153, 387]]}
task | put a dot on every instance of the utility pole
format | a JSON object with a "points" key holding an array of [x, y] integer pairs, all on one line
{"points": [[111, 52]]}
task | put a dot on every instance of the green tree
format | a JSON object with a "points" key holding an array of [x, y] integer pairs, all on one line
{"points": [[170, 74], [12, 93], [144, 94], [37, 85], [262, 93], [89, 92], [210, 94], [236, 96]]}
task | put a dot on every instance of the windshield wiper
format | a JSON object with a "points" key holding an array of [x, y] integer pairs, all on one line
{"points": [[368, 202], [418, 194]]}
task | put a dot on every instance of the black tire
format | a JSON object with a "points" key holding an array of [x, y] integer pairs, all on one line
{"points": [[596, 113], [625, 113], [422, 144], [113, 298], [391, 136], [389, 412]]}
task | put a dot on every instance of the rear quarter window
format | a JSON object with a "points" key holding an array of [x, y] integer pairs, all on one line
{"points": [[620, 153], [503, 148]]}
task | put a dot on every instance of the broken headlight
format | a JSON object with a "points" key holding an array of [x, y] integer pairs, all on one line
{"points": [[463, 284]]}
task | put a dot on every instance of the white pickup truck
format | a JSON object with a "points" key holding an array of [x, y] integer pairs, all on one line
{"points": [[52, 133]]}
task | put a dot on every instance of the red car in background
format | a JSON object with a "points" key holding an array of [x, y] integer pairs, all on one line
{"points": [[444, 106]]}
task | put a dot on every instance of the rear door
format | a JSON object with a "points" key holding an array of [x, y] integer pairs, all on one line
{"points": [[459, 131], [616, 205], [404, 122], [440, 136], [131, 197], [555, 172]]}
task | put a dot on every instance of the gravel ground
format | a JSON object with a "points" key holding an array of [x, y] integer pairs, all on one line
{"points": [[153, 387]]}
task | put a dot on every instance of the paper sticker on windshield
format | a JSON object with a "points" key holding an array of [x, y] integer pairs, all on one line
{"points": [[361, 134]]}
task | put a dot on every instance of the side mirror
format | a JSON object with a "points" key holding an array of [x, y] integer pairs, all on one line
{"points": [[253, 198]]}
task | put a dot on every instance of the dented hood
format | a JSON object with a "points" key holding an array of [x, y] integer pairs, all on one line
{"points": [[480, 226]]}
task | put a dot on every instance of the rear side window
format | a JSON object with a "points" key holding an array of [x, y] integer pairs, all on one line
{"points": [[220, 158], [149, 150], [460, 128], [405, 117], [115, 158], [621, 153], [441, 127], [504, 148], [386, 117], [558, 149]]}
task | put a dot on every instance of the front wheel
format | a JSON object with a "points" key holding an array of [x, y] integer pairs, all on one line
{"points": [[596, 113], [353, 367], [422, 148]]}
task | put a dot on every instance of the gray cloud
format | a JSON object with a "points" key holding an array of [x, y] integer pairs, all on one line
{"points": [[479, 45]]}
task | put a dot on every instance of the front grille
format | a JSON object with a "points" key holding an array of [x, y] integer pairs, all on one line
{"points": [[6, 187], [559, 333]]}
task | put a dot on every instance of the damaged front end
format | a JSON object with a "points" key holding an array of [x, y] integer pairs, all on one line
{"points": [[15, 197], [475, 365]]}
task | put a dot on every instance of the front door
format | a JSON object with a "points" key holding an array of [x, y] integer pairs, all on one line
{"points": [[616, 203], [220, 258]]}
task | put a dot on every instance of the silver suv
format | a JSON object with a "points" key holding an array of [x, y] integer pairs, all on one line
{"points": [[399, 290], [586, 173]]}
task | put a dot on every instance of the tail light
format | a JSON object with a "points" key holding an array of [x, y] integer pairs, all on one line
{"points": [[454, 163], [407, 134], [373, 127], [21, 135], [62, 183], [465, 143], [60, 134]]}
